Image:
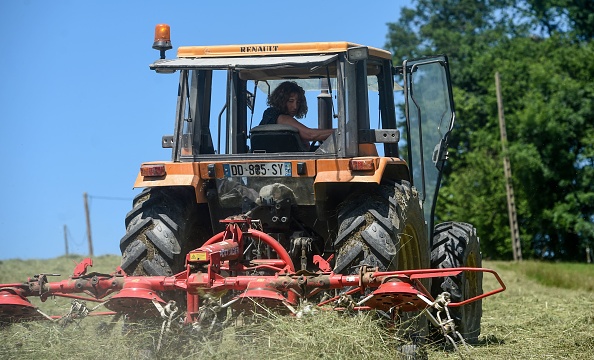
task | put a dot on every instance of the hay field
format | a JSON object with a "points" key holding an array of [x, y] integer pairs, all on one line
{"points": [[528, 321]]}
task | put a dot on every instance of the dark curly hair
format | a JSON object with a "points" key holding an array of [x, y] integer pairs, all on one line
{"points": [[279, 97]]}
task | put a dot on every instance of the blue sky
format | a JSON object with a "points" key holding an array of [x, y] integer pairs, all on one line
{"points": [[80, 110]]}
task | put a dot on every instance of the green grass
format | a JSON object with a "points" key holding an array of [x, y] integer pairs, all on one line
{"points": [[16, 270], [560, 275], [528, 321]]}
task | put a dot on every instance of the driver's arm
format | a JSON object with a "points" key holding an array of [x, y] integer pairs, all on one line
{"points": [[306, 134]]}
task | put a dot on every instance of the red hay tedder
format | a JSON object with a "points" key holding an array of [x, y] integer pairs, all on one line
{"points": [[218, 268]]}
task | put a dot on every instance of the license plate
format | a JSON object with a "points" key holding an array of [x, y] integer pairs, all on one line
{"points": [[258, 169]]}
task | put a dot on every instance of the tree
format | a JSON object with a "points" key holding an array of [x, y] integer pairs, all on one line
{"points": [[563, 16], [549, 106]]}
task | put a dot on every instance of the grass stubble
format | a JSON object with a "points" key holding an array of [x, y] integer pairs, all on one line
{"points": [[527, 321]]}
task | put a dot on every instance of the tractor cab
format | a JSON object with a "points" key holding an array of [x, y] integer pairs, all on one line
{"points": [[224, 91], [353, 89]]}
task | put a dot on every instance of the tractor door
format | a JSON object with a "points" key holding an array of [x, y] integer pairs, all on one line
{"points": [[430, 118]]}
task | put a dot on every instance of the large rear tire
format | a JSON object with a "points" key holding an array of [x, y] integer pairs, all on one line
{"points": [[455, 244], [164, 224], [385, 228]]}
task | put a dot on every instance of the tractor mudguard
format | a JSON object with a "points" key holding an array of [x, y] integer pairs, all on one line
{"points": [[339, 170], [175, 174]]}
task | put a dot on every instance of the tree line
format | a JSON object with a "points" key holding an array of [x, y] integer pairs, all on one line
{"points": [[544, 52]]}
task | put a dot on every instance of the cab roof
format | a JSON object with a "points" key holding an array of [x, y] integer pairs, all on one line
{"points": [[307, 48]]}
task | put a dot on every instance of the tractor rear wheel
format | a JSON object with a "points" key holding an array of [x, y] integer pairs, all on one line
{"points": [[164, 224], [385, 228], [455, 244], [382, 228]]}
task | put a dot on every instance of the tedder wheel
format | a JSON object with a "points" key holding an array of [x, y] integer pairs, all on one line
{"points": [[385, 228], [164, 224], [455, 244]]}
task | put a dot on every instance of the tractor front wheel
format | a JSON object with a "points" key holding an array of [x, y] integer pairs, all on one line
{"points": [[455, 244]]}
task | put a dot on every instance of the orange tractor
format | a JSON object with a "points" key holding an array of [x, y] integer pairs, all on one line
{"points": [[257, 217]]}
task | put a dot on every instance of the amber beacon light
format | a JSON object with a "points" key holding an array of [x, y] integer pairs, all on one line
{"points": [[162, 39]]}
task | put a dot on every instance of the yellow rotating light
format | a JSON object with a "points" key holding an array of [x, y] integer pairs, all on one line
{"points": [[162, 39]]}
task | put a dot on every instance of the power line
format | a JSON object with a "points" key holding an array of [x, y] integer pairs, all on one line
{"points": [[73, 239], [86, 198]]}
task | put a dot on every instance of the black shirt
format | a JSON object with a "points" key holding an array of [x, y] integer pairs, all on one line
{"points": [[270, 116]]}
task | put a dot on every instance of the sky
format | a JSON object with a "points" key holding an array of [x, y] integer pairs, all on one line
{"points": [[80, 109]]}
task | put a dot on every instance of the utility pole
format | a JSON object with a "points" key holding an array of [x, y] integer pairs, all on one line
{"points": [[511, 203], [66, 238], [88, 224]]}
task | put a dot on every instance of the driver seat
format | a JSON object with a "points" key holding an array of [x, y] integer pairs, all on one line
{"points": [[276, 138]]}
